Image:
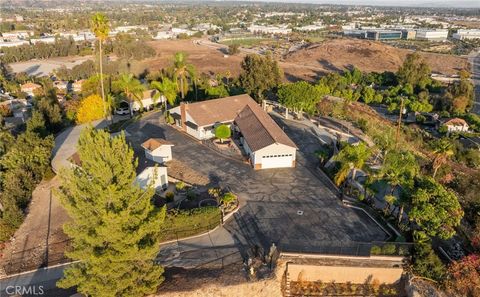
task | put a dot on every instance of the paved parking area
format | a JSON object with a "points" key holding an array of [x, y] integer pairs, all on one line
{"points": [[272, 197]]}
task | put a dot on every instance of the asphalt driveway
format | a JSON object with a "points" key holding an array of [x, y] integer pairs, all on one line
{"points": [[273, 197]]}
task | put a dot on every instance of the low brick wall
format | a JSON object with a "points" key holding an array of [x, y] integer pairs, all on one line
{"points": [[343, 274]]}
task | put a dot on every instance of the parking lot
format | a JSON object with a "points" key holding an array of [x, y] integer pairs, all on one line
{"points": [[294, 208]]}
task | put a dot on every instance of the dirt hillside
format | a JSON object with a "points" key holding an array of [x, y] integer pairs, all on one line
{"points": [[339, 54], [205, 59], [308, 63], [228, 282]]}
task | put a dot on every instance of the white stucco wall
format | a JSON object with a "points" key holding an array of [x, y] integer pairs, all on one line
{"points": [[274, 149], [161, 154], [146, 178]]}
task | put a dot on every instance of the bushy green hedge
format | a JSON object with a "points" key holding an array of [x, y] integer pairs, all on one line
{"points": [[184, 223]]}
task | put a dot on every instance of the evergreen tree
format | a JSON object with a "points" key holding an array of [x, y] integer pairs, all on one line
{"points": [[414, 71], [115, 227], [259, 75]]}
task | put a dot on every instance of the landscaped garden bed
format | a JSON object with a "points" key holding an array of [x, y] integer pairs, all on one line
{"points": [[194, 210], [183, 223], [318, 288]]}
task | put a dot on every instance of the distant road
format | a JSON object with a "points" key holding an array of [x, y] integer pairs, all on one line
{"points": [[475, 61]]}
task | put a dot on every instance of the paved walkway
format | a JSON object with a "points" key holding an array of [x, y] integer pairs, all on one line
{"points": [[66, 144]]}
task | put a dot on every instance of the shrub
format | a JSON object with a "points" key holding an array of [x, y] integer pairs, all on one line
{"points": [[426, 263], [169, 118], [169, 196], [420, 118], [389, 249], [90, 109], [376, 250], [179, 186], [233, 49], [223, 132], [191, 195], [49, 174], [228, 200], [214, 192]]}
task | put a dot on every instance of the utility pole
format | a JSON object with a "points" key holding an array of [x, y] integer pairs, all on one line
{"points": [[399, 123]]}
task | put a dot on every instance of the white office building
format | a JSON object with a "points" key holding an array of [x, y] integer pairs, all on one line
{"points": [[467, 34], [269, 29], [432, 34]]}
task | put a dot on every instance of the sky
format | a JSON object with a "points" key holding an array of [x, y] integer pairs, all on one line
{"points": [[423, 3]]}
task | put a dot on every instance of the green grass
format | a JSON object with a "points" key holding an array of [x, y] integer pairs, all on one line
{"points": [[184, 223], [246, 41]]}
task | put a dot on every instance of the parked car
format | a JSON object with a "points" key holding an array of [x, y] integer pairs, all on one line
{"points": [[123, 108]]}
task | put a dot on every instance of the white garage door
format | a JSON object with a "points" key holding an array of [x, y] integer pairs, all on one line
{"points": [[277, 161]]}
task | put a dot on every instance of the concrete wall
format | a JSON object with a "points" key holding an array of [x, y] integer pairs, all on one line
{"points": [[161, 154], [343, 274]]}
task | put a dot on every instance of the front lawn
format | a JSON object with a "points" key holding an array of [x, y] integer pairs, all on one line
{"points": [[183, 223]]}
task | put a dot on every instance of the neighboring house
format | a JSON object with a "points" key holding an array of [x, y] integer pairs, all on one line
{"points": [[149, 99], [263, 140], [158, 150], [61, 85], [144, 179], [18, 108], [29, 88], [456, 125], [153, 176], [77, 86]]}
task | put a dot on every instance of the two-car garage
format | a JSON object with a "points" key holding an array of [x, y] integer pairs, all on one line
{"points": [[277, 161], [264, 141]]}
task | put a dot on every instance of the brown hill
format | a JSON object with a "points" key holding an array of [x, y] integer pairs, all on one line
{"points": [[343, 53]]}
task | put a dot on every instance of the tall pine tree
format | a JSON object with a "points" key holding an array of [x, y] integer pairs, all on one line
{"points": [[115, 227]]}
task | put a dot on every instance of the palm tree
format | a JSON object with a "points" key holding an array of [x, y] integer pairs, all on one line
{"points": [[182, 71], [351, 157], [399, 169], [442, 151], [166, 88], [130, 87], [100, 26]]}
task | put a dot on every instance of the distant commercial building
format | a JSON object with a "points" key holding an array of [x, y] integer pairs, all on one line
{"points": [[383, 34], [12, 43], [177, 31], [44, 40], [432, 34], [409, 34], [467, 34], [310, 28], [374, 34], [125, 29], [269, 29], [355, 33]]}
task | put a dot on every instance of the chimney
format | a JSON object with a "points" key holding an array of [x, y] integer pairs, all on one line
{"points": [[183, 114]]}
